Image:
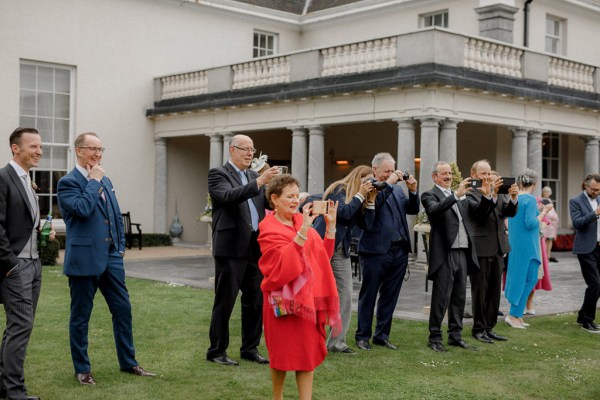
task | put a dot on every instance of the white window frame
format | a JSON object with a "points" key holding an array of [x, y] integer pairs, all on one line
{"points": [[258, 50], [48, 163], [557, 39], [549, 158], [428, 20]]}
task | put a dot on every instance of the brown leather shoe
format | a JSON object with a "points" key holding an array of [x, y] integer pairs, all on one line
{"points": [[137, 370], [85, 378]]}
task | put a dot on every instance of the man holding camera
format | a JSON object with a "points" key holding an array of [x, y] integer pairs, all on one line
{"points": [[383, 249], [491, 244]]}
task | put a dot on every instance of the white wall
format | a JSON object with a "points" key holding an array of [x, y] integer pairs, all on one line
{"points": [[118, 47]]}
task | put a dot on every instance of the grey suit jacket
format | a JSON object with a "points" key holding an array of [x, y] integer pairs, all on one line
{"points": [[16, 222], [585, 223]]}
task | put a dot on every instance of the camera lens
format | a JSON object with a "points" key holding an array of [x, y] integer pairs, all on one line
{"points": [[405, 176]]}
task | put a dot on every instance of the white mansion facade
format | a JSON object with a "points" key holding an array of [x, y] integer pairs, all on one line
{"points": [[316, 84]]}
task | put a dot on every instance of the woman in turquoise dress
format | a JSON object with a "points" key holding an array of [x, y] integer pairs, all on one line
{"points": [[524, 259]]}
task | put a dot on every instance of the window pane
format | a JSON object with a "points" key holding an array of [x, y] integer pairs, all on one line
{"points": [[63, 80], [255, 44], [255, 53], [42, 179], [27, 76], [44, 202], [45, 79], [554, 172], [27, 122], [554, 147], [45, 106], [270, 45], [263, 41], [44, 126], [27, 102], [549, 26], [56, 175], [46, 160], [61, 131], [61, 106], [428, 21], [59, 157], [55, 209]]}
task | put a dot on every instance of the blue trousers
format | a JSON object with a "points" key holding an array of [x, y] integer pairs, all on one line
{"points": [[383, 274], [112, 286], [517, 310]]}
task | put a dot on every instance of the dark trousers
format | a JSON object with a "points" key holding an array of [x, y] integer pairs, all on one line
{"points": [[590, 269], [449, 293], [20, 291], [486, 286], [383, 274], [231, 276], [112, 286]]}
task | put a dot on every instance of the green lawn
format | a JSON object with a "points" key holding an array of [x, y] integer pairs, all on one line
{"points": [[553, 359]]}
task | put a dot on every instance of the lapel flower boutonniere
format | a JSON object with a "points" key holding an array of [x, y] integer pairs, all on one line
{"points": [[34, 186]]}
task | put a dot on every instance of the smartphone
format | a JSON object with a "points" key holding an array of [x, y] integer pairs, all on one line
{"points": [[319, 207], [506, 184], [475, 183], [546, 201], [282, 169]]}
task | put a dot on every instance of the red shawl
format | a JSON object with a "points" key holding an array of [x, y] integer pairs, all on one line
{"points": [[299, 276]]}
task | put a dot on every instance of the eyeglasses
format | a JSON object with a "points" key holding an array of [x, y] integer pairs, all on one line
{"points": [[245, 149], [94, 149]]}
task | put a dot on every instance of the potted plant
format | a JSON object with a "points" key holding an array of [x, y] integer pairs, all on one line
{"points": [[206, 215]]}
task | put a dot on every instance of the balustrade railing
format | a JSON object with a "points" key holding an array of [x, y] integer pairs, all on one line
{"points": [[359, 57], [182, 85], [263, 72], [494, 58], [571, 75]]}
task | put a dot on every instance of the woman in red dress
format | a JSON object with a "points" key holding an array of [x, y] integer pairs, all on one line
{"points": [[300, 295]]}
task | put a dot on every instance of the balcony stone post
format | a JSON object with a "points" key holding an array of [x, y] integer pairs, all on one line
{"points": [[299, 156], [160, 185]]}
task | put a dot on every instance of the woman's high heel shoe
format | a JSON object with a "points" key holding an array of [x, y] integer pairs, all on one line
{"points": [[510, 323]]}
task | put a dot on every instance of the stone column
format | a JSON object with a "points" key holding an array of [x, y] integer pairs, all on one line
{"points": [[591, 155], [216, 150], [299, 156], [534, 157], [316, 159], [226, 140], [429, 149], [448, 140], [160, 185], [406, 145], [519, 150]]}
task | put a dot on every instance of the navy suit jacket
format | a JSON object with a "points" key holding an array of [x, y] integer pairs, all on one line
{"points": [[585, 223], [16, 222], [378, 225], [231, 221], [89, 220]]}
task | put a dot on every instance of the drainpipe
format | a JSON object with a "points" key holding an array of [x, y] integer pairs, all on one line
{"points": [[526, 23]]}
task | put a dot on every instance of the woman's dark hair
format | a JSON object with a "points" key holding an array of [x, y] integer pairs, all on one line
{"points": [[277, 185]]}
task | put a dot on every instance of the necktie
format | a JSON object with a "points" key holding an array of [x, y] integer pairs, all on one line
{"points": [[30, 195], [253, 210]]}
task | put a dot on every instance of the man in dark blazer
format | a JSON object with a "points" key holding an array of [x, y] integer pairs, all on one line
{"points": [[585, 211], [451, 253], [94, 253], [20, 266], [238, 201], [491, 244], [383, 250]]}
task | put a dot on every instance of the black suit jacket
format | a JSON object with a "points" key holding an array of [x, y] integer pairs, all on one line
{"points": [[489, 233], [444, 226], [16, 222], [231, 221]]}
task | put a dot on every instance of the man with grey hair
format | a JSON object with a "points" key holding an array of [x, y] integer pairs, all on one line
{"points": [[383, 249], [238, 199], [451, 252]]}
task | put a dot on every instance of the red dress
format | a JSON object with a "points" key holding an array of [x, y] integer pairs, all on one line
{"points": [[296, 342]]}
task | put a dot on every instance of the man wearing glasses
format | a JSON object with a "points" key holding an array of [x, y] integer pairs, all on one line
{"points": [[238, 201], [94, 256], [585, 211]]}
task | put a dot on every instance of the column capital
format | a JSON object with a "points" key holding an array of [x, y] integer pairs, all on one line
{"points": [[316, 130], [429, 121], [535, 134], [450, 122], [406, 123], [297, 130], [227, 135], [519, 131], [160, 141], [591, 140]]}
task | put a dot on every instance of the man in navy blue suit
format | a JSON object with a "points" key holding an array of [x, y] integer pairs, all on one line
{"points": [[585, 211], [94, 256], [383, 250]]}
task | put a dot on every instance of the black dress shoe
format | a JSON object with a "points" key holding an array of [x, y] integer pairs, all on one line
{"points": [[255, 357], [32, 398], [363, 344], [461, 343], [436, 346], [385, 343], [223, 360], [590, 327], [495, 336], [482, 337]]}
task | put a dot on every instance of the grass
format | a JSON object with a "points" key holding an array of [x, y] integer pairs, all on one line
{"points": [[553, 359]]}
